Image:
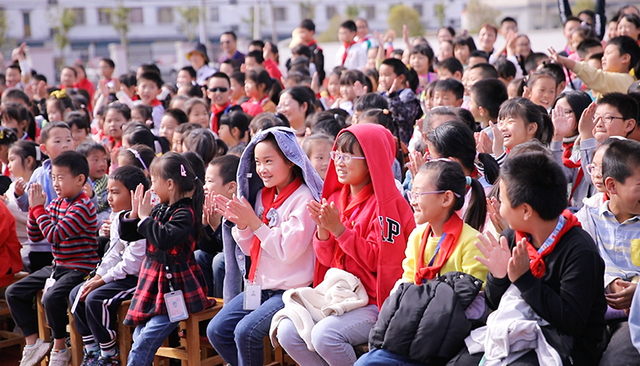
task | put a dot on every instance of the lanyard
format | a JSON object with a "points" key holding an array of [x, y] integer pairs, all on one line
{"points": [[552, 238], [437, 249]]}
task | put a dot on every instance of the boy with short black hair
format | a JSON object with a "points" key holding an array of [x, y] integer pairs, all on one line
{"points": [[620, 57], [69, 223], [350, 55], [149, 86], [253, 61], [450, 68], [98, 160], [218, 92], [553, 265], [307, 31], [448, 93], [477, 57], [485, 99], [476, 73], [589, 47], [615, 228], [115, 278]]}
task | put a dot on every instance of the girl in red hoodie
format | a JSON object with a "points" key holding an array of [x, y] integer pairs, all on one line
{"points": [[363, 225]]}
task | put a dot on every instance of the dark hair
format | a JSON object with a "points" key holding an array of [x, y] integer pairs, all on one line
{"points": [[14, 93], [308, 24], [487, 71], [464, 40], [423, 49], [449, 176], [349, 77], [541, 74], [452, 64], [585, 45], [399, 68], [172, 166], [25, 149], [555, 70], [348, 142], [572, 18], [62, 103], [451, 85], [120, 108], [130, 177], [266, 120], [631, 18], [596, 56], [589, 13], [625, 104], [532, 61], [150, 68], [530, 113], [78, 119], [302, 94], [140, 156], [258, 43], [467, 118], [227, 167], [74, 161], [535, 179], [205, 144], [19, 112], [109, 62], [145, 110], [479, 53], [257, 55], [38, 77], [232, 34], [382, 117], [350, 25], [302, 50], [505, 69], [88, 147], [222, 75], [370, 101], [490, 94], [189, 126], [192, 72], [578, 101], [46, 130], [260, 77], [236, 119], [448, 29], [7, 136], [437, 111], [151, 76], [234, 64], [129, 79], [620, 160], [196, 163], [508, 19], [327, 122], [627, 46]]}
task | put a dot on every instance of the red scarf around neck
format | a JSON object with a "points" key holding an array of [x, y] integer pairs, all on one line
{"points": [[215, 110], [348, 209], [566, 161], [536, 263], [451, 232], [346, 45], [269, 201]]}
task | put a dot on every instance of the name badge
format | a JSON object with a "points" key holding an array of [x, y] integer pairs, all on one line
{"points": [[48, 284], [252, 296], [176, 307]]}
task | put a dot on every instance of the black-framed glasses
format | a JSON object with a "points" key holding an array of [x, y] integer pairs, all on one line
{"points": [[606, 119], [218, 89]]}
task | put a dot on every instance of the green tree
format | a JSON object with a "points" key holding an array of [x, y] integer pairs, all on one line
{"points": [[331, 33], [63, 21], [480, 12], [120, 22], [439, 9], [4, 28], [400, 15], [353, 11], [189, 20], [581, 5], [307, 9]]}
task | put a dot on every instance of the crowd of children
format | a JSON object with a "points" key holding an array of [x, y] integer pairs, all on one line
{"points": [[325, 209]]}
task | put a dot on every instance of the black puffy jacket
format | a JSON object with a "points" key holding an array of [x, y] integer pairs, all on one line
{"points": [[427, 322]]}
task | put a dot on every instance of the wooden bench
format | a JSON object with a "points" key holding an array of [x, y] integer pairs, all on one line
{"points": [[9, 338], [44, 333]]}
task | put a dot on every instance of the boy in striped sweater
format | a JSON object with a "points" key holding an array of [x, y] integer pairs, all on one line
{"points": [[69, 223]]}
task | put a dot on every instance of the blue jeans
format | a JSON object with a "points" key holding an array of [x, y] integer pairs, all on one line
{"points": [[382, 357], [204, 260], [237, 334], [212, 267], [333, 338], [147, 338], [218, 274]]}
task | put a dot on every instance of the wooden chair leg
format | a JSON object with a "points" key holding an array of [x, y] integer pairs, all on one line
{"points": [[76, 343], [44, 332]]}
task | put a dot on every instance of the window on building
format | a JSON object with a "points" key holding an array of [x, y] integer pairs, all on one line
{"points": [[165, 15], [104, 16], [279, 14], [26, 22], [135, 16], [215, 14], [370, 12], [331, 12], [419, 9], [80, 16], [233, 2], [53, 2]]}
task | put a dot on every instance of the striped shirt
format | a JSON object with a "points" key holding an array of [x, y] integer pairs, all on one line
{"points": [[71, 226], [618, 243]]}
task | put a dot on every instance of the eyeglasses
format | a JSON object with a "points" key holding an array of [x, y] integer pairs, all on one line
{"points": [[225, 42], [346, 158], [593, 169], [566, 112], [414, 196], [221, 90], [606, 119]]}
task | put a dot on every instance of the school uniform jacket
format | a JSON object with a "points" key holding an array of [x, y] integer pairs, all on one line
{"points": [[170, 232], [375, 239]]}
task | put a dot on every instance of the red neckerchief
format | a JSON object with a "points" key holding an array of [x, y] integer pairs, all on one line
{"points": [[566, 161], [364, 39], [262, 102], [269, 201], [135, 97], [346, 51], [451, 232], [113, 144], [605, 197], [155, 102], [215, 110], [536, 263], [313, 41], [348, 208]]}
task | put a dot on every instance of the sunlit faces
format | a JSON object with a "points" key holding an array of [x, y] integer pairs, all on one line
{"points": [[627, 201], [168, 126], [148, 90], [420, 63], [17, 167], [54, 114], [59, 141], [543, 91], [197, 60], [516, 131], [609, 122], [320, 157], [160, 187], [569, 27], [444, 35], [98, 164], [486, 38], [176, 142], [445, 98], [445, 50], [199, 114], [627, 28], [293, 110], [476, 110], [67, 77], [118, 196], [213, 183], [471, 77], [17, 126], [305, 35], [426, 207], [64, 183], [562, 106], [333, 85], [355, 172], [12, 76], [513, 215], [251, 89], [523, 46], [105, 70], [78, 134], [113, 122], [273, 168], [461, 52], [347, 93], [184, 78], [595, 170], [386, 77], [237, 90], [228, 44]]}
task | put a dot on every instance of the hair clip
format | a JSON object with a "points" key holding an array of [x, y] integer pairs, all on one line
{"points": [[58, 94], [137, 155], [385, 111], [183, 172], [468, 180]]}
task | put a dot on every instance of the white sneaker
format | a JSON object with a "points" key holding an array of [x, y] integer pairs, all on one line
{"points": [[60, 358], [34, 354]]}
